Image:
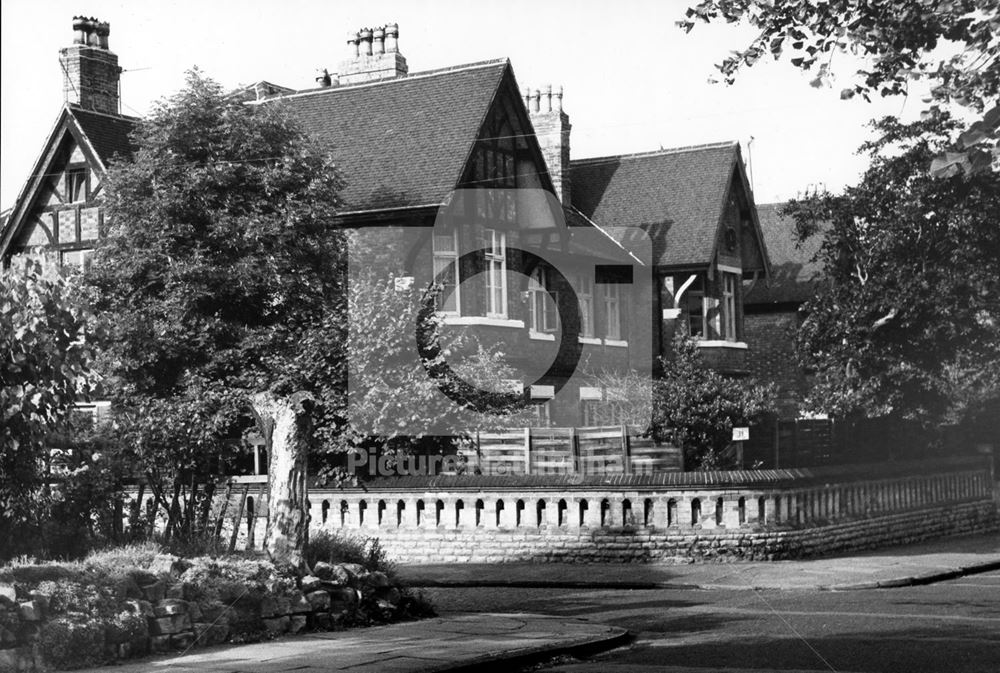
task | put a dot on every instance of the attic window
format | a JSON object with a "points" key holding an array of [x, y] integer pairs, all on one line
{"points": [[76, 185]]}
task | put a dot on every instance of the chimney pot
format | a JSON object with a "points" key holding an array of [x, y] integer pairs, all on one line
{"points": [[536, 99], [365, 38], [323, 78], [81, 27], [103, 30], [391, 38], [378, 41], [559, 96], [353, 41], [547, 98]]}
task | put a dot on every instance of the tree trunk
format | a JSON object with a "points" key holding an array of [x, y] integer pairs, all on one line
{"points": [[285, 425]]}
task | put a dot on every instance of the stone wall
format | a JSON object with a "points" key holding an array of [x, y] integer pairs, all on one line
{"points": [[765, 514], [87, 618]]}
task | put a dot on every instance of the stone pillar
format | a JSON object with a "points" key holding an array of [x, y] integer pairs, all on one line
{"points": [[507, 514], [592, 517], [730, 511], [660, 509]]}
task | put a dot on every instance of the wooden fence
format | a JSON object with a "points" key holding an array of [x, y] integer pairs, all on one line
{"points": [[616, 449]]}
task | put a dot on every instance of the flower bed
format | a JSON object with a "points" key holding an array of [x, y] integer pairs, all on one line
{"points": [[121, 605]]}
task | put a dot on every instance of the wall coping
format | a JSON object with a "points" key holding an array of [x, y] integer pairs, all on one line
{"points": [[777, 478]]}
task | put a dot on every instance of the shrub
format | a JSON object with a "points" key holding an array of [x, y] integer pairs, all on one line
{"points": [[72, 641], [347, 548]]}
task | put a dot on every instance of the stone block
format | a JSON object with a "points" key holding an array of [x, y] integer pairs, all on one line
{"points": [[310, 583], [335, 575], [155, 592], [378, 580], [182, 622], [170, 606], [276, 626], [284, 605], [162, 626], [8, 594], [182, 641], [299, 605], [297, 623], [319, 600], [194, 611], [31, 611]]}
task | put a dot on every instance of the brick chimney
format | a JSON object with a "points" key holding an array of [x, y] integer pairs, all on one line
{"points": [[552, 129], [375, 56], [90, 69]]}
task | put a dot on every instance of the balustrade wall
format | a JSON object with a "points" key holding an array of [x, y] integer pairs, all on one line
{"points": [[745, 514]]}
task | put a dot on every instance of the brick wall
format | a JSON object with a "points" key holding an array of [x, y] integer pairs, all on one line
{"points": [[771, 356]]}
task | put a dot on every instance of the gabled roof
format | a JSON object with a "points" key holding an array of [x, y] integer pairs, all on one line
{"points": [[401, 143], [793, 271], [108, 134], [679, 192], [100, 136]]}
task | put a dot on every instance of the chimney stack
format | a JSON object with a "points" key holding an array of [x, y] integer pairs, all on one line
{"points": [[90, 70], [374, 56], [552, 127]]}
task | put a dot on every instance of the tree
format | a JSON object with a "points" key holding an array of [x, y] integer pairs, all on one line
{"points": [[395, 407], [46, 337], [220, 260], [697, 408], [906, 321], [898, 38]]}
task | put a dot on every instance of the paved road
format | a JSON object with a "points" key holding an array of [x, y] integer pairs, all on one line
{"points": [[940, 628]]}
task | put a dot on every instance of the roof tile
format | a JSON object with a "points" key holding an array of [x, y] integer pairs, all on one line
{"points": [[676, 194]]}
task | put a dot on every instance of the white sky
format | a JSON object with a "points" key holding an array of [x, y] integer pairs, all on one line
{"points": [[633, 80]]}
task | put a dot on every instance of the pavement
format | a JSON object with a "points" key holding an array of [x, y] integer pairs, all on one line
{"points": [[491, 641], [921, 563], [454, 643]]}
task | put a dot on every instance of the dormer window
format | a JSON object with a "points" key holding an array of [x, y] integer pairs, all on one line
{"points": [[76, 185]]}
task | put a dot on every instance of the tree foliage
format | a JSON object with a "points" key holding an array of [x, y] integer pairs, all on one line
{"points": [[394, 405], [898, 39], [221, 259], [47, 340], [907, 319], [697, 408]]}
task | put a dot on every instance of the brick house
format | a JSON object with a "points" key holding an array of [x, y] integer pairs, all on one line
{"points": [[405, 142]]}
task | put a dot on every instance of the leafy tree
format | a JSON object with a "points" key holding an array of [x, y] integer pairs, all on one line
{"points": [[697, 408], [906, 322], [395, 407], [221, 259], [898, 38], [46, 337]]}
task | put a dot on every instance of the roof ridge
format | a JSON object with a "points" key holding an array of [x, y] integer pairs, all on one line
{"points": [[417, 75], [660, 152], [74, 108]]}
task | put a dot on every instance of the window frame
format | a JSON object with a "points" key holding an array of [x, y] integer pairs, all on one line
{"points": [[585, 301], [727, 311], [495, 268], [83, 174], [612, 297], [544, 315], [451, 257]]}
